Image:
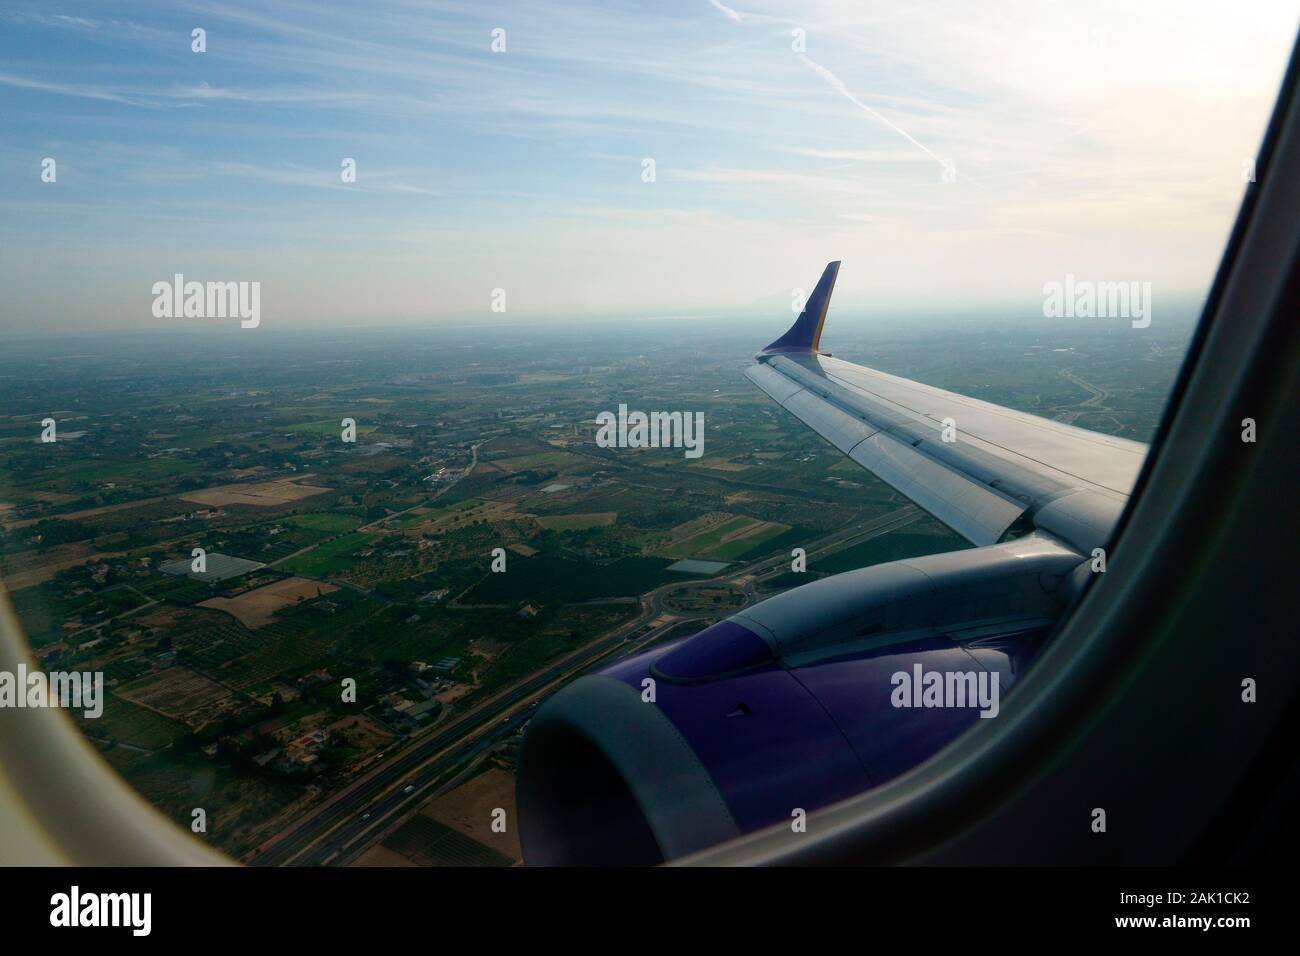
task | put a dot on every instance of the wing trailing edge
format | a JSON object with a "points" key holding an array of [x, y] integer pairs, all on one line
{"points": [[986, 471]]}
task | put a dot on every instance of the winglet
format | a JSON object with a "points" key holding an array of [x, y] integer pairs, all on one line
{"points": [[806, 333]]}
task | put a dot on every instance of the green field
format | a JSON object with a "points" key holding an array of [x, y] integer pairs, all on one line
{"points": [[711, 546], [328, 426], [790, 538], [128, 723], [139, 474], [750, 543], [577, 522], [434, 514], [329, 558], [321, 521], [556, 579], [524, 462]]}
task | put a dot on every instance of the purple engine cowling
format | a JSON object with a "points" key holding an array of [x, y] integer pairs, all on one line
{"points": [[790, 705]]}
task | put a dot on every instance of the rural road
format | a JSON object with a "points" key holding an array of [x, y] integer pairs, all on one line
{"points": [[336, 832]]}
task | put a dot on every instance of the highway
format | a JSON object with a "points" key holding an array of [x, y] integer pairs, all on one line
{"points": [[434, 777], [347, 823], [400, 766]]}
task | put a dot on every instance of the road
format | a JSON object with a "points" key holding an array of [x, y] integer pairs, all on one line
{"points": [[459, 732], [473, 463], [1097, 395], [431, 779], [346, 824]]}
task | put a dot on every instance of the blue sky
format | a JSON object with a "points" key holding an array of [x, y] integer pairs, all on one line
{"points": [[1093, 138]]}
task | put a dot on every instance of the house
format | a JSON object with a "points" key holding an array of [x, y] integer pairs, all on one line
{"points": [[446, 665], [424, 709]]}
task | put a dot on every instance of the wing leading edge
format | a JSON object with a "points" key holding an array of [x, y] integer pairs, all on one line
{"points": [[981, 469]]}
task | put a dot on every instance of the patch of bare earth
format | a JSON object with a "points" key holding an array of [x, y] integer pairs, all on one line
{"points": [[469, 809], [257, 607], [380, 855], [262, 493]]}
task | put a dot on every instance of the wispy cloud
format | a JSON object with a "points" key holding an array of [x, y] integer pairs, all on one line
{"points": [[856, 155], [66, 89], [1108, 151]]}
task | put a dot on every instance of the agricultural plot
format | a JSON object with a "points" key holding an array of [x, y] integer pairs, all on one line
{"points": [[578, 522], [330, 558], [719, 537], [747, 541], [263, 494], [180, 590], [181, 694], [258, 607], [413, 517], [720, 464], [324, 522], [542, 459], [468, 808], [472, 511], [326, 427], [559, 579], [427, 842], [276, 540], [125, 722], [158, 509], [141, 473], [299, 638]]}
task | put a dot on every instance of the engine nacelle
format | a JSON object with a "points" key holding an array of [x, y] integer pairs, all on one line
{"points": [[798, 702]]}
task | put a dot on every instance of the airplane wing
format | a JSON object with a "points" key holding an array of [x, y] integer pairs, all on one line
{"points": [[983, 470], [793, 701]]}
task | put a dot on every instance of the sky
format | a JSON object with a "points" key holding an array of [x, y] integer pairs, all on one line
{"points": [[954, 155]]}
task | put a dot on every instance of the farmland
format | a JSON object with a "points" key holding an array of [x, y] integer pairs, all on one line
{"points": [[380, 560], [331, 557]]}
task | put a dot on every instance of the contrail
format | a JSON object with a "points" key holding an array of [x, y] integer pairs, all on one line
{"points": [[727, 10], [839, 87]]}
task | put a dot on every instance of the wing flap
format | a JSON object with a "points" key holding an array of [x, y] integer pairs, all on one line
{"points": [[1102, 460], [777, 386], [976, 512]]}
